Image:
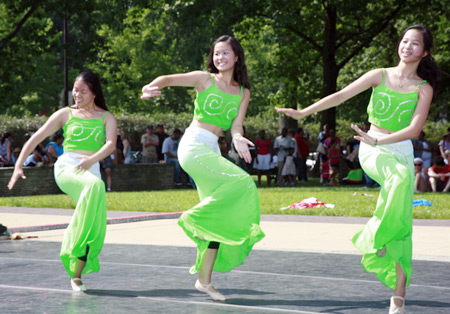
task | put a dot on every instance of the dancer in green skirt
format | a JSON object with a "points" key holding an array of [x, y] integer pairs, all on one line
{"points": [[90, 133], [225, 224], [398, 109]]}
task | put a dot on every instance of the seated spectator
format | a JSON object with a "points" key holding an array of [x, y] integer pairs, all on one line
{"points": [[36, 159], [421, 176], [55, 148], [439, 175], [423, 149], [16, 153], [170, 152]]}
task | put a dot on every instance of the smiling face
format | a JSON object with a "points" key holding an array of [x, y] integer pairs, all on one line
{"points": [[411, 47], [224, 57], [82, 94]]}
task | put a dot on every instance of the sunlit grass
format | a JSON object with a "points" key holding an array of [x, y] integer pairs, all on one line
{"points": [[271, 199]]}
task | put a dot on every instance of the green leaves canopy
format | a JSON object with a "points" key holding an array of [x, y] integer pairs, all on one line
{"points": [[296, 50]]}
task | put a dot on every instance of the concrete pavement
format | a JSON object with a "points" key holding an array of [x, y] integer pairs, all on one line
{"points": [[431, 238], [305, 264]]}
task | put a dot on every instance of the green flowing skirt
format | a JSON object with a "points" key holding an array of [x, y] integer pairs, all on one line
{"points": [[88, 224], [228, 211], [386, 239]]}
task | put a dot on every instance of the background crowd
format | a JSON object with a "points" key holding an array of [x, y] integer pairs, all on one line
{"points": [[285, 160]]}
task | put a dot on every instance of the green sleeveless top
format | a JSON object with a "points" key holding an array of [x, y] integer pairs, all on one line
{"points": [[390, 109], [84, 134], [217, 107]]}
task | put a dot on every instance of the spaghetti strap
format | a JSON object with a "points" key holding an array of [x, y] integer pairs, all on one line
{"points": [[212, 78], [384, 76], [424, 81], [242, 88], [104, 115], [70, 111]]}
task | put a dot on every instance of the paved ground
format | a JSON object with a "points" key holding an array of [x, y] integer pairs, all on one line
{"points": [[304, 265]]}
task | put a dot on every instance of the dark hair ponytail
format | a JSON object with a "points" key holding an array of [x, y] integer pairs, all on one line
{"points": [[427, 68], [92, 80], [240, 69]]}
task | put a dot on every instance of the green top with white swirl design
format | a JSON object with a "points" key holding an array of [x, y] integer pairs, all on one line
{"points": [[84, 134], [390, 109], [216, 107]]}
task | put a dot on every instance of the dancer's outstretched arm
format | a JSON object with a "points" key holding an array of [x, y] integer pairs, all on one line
{"points": [[370, 79], [197, 79]]}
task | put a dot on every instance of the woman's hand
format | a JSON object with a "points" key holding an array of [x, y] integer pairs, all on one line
{"points": [[363, 136], [84, 164], [18, 173], [291, 113], [241, 145], [150, 91]]}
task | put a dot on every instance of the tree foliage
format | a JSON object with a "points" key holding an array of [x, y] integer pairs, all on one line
{"points": [[297, 51]]}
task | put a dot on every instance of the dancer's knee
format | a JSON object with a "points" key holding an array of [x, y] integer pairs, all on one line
{"points": [[97, 185], [401, 175]]}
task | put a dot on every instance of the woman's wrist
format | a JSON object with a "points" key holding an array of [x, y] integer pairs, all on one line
{"points": [[237, 136], [18, 167]]}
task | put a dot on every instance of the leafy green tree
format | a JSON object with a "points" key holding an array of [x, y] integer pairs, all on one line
{"points": [[297, 51], [27, 74]]}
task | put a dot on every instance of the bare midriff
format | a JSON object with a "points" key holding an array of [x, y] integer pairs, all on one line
{"points": [[207, 126]]}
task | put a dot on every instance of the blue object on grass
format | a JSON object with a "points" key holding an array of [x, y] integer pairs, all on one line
{"points": [[422, 201]]}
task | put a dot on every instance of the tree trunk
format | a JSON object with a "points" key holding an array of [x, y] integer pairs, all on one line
{"points": [[286, 122], [330, 68]]}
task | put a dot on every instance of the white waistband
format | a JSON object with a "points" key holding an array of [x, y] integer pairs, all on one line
{"points": [[197, 131], [200, 135], [73, 159]]}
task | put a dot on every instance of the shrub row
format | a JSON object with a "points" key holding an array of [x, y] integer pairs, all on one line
{"points": [[22, 128]]}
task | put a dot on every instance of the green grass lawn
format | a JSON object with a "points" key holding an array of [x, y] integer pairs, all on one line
{"points": [[272, 200]]}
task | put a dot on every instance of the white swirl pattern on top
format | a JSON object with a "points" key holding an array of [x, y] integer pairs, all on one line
{"points": [[214, 106], [77, 129], [381, 109]]}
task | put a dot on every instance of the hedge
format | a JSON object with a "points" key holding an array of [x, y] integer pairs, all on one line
{"points": [[22, 128]]}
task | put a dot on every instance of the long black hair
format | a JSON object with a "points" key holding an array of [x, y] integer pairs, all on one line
{"points": [[92, 80], [427, 69], [240, 69]]}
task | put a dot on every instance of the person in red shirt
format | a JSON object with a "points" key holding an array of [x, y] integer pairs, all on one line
{"points": [[263, 157], [439, 175], [325, 170], [302, 154]]}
